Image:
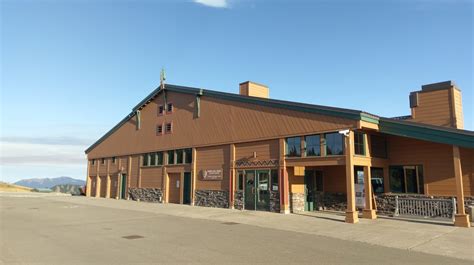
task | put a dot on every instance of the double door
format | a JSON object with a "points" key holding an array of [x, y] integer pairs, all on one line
{"points": [[257, 190], [313, 182]]}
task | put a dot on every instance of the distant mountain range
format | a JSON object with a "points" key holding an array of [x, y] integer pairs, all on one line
{"points": [[47, 183]]}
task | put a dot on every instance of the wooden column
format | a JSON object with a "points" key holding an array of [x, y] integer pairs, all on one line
{"points": [[194, 175], [284, 183], [97, 181], [231, 176], [140, 163], [129, 173], [107, 191], [369, 211], [461, 219], [165, 177], [351, 212], [88, 179]]}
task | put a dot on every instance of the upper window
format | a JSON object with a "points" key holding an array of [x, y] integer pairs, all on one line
{"points": [[159, 129], [146, 160], [406, 179], [359, 143], [293, 146], [274, 175], [376, 176], [169, 127], [188, 156], [334, 144], [378, 146], [93, 162], [161, 110], [169, 107], [312, 145], [103, 161], [171, 159], [114, 159], [152, 159]]}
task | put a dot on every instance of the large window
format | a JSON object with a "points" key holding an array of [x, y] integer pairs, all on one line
{"points": [[406, 179], [274, 175], [152, 159], [378, 146], [188, 156], [171, 157], [376, 175], [312, 145], [159, 158], [293, 146], [334, 144], [145, 160], [359, 143], [179, 156], [240, 180]]}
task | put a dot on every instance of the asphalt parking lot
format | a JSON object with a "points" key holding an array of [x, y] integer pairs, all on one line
{"points": [[46, 230]]}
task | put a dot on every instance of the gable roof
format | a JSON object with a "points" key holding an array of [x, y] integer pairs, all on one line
{"points": [[386, 125]]}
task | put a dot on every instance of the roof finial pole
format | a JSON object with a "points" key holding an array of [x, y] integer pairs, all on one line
{"points": [[162, 78]]}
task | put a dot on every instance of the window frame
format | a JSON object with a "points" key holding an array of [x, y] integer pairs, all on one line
{"points": [[169, 157], [159, 129], [420, 182], [102, 161], [326, 145], [318, 145], [298, 149], [161, 110], [171, 128], [358, 135], [186, 152], [168, 104]]}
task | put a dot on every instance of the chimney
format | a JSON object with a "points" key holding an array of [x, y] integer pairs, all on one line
{"points": [[438, 104], [253, 89]]}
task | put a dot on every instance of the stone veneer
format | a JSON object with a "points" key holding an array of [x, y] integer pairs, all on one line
{"points": [[330, 201], [145, 194], [239, 200], [297, 202], [211, 198], [274, 201]]}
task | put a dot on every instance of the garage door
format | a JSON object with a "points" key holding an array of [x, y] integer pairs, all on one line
{"points": [[174, 186], [93, 185], [103, 186]]}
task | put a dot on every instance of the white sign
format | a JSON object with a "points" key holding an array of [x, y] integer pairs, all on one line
{"points": [[212, 174]]}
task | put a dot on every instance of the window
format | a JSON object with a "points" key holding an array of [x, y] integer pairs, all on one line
{"points": [[159, 129], [293, 146], [406, 179], [152, 159], [161, 110], [240, 180], [159, 158], [170, 157], [334, 144], [114, 159], [377, 180], [274, 174], [359, 143], [188, 156], [378, 146], [179, 156], [93, 162], [103, 161], [145, 160], [169, 107], [312, 145], [169, 127]]}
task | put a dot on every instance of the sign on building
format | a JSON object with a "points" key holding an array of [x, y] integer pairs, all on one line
{"points": [[211, 174]]}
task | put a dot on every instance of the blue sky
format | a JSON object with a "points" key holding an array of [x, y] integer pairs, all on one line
{"points": [[70, 70]]}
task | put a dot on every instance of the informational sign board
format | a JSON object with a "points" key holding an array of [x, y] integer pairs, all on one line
{"points": [[211, 174], [360, 190]]}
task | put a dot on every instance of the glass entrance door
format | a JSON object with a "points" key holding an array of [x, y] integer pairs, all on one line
{"points": [[309, 189], [262, 186], [250, 190]]}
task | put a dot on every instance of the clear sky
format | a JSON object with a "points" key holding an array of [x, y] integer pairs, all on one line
{"points": [[70, 70]]}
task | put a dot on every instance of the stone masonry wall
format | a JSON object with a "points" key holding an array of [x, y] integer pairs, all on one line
{"points": [[211, 198], [297, 202], [239, 200], [330, 201], [145, 194]]}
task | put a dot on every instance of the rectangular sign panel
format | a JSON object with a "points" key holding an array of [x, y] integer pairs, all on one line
{"points": [[211, 174]]}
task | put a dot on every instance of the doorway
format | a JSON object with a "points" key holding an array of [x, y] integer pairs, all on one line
{"points": [[187, 188], [174, 187], [123, 185], [257, 194], [313, 183]]}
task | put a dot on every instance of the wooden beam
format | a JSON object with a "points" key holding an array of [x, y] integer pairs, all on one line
{"points": [[231, 176], [369, 211], [97, 181], [351, 212], [461, 219], [88, 179], [194, 175], [283, 176], [107, 190]]}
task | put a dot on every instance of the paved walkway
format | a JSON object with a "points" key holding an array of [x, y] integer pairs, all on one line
{"points": [[437, 239]]}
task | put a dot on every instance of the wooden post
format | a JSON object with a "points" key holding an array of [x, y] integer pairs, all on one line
{"points": [[97, 181], [128, 176], [461, 219], [140, 163], [107, 191], [284, 183], [88, 179], [165, 178], [351, 213], [231, 176], [369, 211], [193, 175]]}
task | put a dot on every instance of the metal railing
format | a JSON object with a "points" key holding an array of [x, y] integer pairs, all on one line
{"points": [[425, 207]]}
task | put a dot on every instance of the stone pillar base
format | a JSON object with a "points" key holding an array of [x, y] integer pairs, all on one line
{"points": [[462, 220], [352, 217], [285, 211], [369, 214]]}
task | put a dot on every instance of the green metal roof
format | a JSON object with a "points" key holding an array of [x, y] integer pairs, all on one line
{"points": [[386, 125]]}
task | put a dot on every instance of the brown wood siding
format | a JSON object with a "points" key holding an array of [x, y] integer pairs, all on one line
{"points": [[135, 171], [458, 109], [221, 122], [113, 167], [264, 149], [103, 186], [152, 177], [296, 182], [334, 179], [434, 107], [436, 159], [216, 157], [173, 190], [113, 186], [102, 167], [93, 186], [467, 167]]}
